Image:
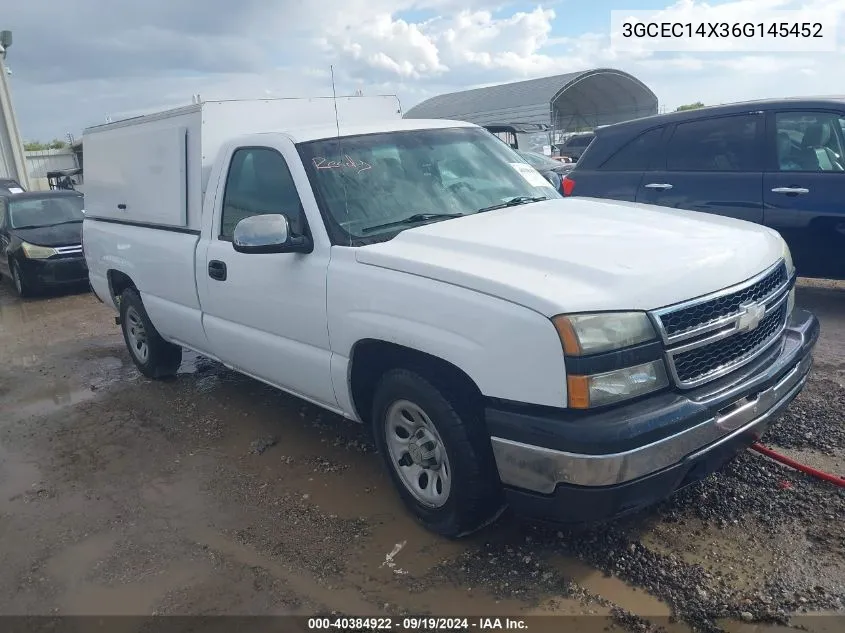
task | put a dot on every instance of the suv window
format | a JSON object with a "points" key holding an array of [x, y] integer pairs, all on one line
{"points": [[719, 144], [258, 182], [810, 141], [636, 154]]}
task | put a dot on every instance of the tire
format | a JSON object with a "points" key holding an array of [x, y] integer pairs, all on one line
{"points": [[462, 492], [22, 288], [153, 356]]}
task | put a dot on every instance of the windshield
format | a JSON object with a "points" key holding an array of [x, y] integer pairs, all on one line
{"points": [[369, 181], [37, 212], [539, 161]]}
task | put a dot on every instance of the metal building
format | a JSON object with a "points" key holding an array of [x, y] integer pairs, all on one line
{"points": [[574, 101]]}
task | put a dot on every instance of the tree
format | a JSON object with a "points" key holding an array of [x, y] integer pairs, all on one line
{"points": [[38, 146], [689, 106]]}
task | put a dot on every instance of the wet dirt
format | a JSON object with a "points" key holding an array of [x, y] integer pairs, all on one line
{"points": [[213, 494]]}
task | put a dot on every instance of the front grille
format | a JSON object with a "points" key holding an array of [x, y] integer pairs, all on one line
{"points": [[729, 352], [707, 312], [712, 336]]}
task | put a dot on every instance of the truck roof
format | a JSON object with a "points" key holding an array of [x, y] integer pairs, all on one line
{"points": [[327, 131]]}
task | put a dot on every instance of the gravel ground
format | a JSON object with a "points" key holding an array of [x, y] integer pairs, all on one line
{"points": [[213, 494]]}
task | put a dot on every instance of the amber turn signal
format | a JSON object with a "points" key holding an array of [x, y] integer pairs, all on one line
{"points": [[578, 391], [567, 335]]}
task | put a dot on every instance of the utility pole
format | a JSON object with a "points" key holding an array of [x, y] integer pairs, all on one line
{"points": [[12, 157]]}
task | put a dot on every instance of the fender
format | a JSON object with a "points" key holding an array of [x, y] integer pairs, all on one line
{"points": [[509, 351]]}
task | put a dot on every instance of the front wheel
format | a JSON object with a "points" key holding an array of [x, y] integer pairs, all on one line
{"points": [[436, 453], [154, 357], [22, 287]]}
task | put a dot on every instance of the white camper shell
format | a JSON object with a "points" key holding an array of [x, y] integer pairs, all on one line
{"points": [[145, 164]]}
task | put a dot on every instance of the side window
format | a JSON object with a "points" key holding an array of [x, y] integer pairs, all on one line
{"points": [[635, 155], [720, 144], [259, 182], [2, 214], [810, 141]]}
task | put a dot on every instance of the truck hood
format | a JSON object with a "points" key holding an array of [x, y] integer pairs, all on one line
{"points": [[582, 254]]}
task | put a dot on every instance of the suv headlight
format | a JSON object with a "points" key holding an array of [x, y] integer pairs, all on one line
{"points": [[586, 335], [37, 252]]}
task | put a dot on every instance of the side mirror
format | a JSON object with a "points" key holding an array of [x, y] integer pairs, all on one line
{"points": [[268, 233]]}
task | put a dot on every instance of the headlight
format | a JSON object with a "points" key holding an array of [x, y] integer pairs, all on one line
{"points": [[583, 334], [37, 252], [787, 257], [790, 271], [585, 392]]}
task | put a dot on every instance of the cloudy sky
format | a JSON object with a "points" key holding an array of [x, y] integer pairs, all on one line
{"points": [[76, 62]]}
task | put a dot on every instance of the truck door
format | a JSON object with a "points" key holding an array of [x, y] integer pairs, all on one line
{"points": [[713, 165], [265, 314], [804, 188]]}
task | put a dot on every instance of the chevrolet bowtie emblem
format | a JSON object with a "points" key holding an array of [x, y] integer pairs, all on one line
{"points": [[750, 315]]}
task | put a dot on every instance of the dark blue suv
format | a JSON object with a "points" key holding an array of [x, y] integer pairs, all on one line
{"points": [[780, 163]]}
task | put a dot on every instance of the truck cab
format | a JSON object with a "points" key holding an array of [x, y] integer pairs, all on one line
{"points": [[573, 358]]}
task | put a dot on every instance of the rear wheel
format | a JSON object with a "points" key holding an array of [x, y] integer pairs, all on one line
{"points": [[154, 357], [437, 454]]}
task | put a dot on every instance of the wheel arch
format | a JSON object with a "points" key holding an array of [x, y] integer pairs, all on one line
{"points": [[370, 358], [118, 282]]}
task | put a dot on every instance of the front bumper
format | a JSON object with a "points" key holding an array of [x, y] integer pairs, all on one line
{"points": [[57, 271], [586, 467]]}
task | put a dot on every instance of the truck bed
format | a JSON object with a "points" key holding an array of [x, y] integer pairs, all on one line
{"points": [[163, 262]]}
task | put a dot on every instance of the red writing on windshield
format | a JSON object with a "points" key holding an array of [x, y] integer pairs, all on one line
{"points": [[347, 163]]}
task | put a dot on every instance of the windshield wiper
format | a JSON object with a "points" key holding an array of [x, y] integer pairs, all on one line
{"points": [[512, 202], [412, 219]]}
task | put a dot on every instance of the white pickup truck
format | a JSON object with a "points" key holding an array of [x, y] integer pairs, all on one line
{"points": [[575, 359]]}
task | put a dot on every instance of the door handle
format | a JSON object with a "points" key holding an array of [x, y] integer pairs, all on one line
{"points": [[660, 186], [217, 270], [790, 191]]}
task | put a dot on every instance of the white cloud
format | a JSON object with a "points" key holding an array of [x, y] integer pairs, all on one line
{"points": [[386, 46]]}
